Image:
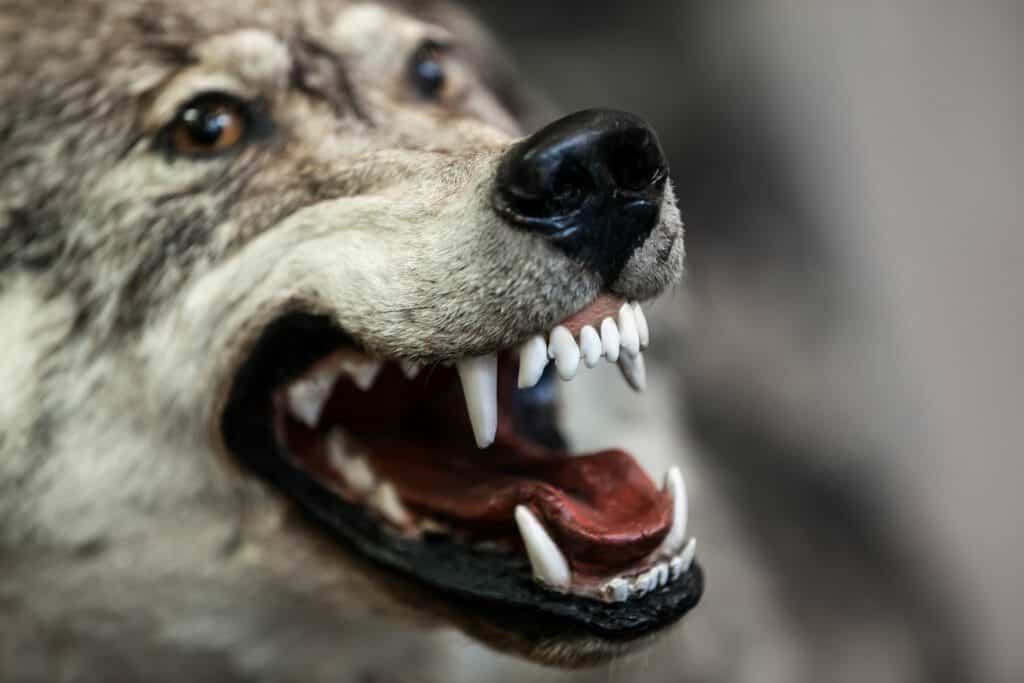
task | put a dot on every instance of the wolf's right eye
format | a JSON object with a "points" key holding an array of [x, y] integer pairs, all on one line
{"points": [[209, 125]]}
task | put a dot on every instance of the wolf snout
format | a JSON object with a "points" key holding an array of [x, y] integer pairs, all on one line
{"points": [[592, 183]]}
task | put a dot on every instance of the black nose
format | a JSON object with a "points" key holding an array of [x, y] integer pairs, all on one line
{"points": [[592, 183]]}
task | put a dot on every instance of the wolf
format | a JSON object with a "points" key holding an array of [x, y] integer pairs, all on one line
{"points": [[289, 292]]}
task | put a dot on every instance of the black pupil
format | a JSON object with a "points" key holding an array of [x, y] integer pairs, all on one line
{"points": [[206, 125], [428, 72]]}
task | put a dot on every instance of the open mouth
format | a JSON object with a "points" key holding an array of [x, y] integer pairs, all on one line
{"points": [[458, 476]]}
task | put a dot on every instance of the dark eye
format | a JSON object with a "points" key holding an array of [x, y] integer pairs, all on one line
{"points": [[210, 124], [428, 72]]}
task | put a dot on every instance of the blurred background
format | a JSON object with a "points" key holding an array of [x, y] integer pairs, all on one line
{"points": [[850, 174]]}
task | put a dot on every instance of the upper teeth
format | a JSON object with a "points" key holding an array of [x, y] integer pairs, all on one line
{"points": [[479, 377], [590, 346], [630, 337], [308, 396], [533, 357], [626, 335], [610, 339], [633, 370], [641, 326], [566, 353]]}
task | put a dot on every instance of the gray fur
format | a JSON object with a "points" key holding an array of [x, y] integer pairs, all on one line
{"points": [[133, 283]]}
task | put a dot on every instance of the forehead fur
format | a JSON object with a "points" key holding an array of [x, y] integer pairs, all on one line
{"points": [[84, 86]]}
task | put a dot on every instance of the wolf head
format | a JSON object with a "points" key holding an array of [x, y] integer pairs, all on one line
{"points": [[200, 203]]}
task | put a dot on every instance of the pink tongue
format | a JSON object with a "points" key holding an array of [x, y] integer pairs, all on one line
{"points": [[602, 509]]}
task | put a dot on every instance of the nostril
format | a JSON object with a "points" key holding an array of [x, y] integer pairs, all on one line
{"points": [[571, 184], [544, 190], [635, 159]]}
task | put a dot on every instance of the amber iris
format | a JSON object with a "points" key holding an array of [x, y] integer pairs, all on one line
{"points": [[209, 125]]}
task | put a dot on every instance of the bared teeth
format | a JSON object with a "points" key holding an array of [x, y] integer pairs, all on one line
{"points": [[618, 589], [307, 396], [362, 370], [675, 487], [354, 469], [410, 369], [386, 501], [549, 564], [610, 339], [479, 376], [620, 340], [681, 563], [628, 586], [565, 352], [643, 332], [629, 337], [590, 346], [533, 358], [634, 371]]}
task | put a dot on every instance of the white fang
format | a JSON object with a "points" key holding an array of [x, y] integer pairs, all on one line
{"points": [[479, 377], [675, 487], [549, 564]]}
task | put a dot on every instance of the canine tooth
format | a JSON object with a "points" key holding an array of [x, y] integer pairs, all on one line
{"points": [[533, 358], [675, 487], [548, 562], [617, 590], [634, 370], [354, 469], [642, 330], [363, 371], [410, 369], [590, 346], [565, 352], [479, 376], [610, 339], [386, 501], [628, 334]]}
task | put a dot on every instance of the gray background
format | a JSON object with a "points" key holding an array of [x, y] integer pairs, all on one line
{"points": [[850, 174]]}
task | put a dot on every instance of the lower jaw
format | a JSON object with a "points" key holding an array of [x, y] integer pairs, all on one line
{"points": [[488, 592]]}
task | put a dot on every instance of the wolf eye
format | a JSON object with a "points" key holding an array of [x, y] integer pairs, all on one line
{"points": [[208, 125], [428, 72]]}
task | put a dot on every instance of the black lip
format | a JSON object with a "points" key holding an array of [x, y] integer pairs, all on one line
{"points": [[477, 580]]}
